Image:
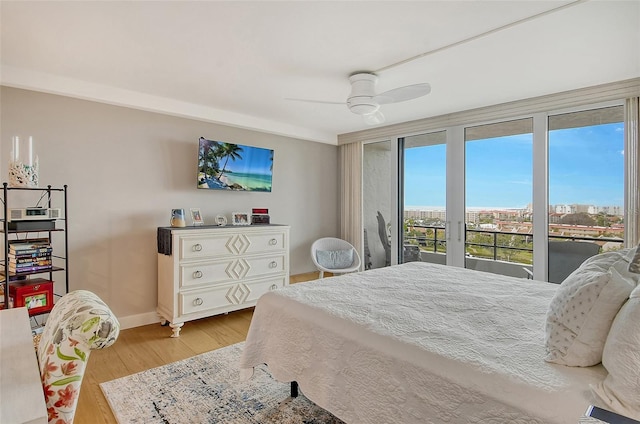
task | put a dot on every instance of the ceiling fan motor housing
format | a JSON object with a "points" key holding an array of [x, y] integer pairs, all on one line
{"points": [[360, 100]]}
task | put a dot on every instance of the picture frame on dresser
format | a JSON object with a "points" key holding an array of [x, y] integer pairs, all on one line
{"points": [[196, 217], [240, 218]]}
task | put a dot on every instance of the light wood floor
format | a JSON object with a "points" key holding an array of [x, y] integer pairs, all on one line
{"points": [[141, 348]]}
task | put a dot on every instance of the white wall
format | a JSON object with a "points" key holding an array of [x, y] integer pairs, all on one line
{"points": [[126, 169]]}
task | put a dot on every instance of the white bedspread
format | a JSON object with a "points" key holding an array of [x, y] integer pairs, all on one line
{"points": [[419, 343]]}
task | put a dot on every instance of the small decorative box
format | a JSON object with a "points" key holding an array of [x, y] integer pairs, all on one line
{"points": [[36, 294]]}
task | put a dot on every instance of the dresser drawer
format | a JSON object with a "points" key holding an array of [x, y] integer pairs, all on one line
{"points": [[224, 296], [230, 270], [231, 244]]}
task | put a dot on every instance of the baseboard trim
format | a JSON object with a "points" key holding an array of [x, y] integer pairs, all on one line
{"points": [[139, 320]]}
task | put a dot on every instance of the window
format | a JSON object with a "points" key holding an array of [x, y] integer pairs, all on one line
{"points": [[424, 192], [586, 178], [498, 193]]}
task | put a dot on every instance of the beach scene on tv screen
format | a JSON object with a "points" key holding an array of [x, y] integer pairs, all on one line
{"points": [[228, 166]]}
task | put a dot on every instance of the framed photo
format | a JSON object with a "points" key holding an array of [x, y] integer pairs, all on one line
{"points": [[196, 216], [240, 218]]}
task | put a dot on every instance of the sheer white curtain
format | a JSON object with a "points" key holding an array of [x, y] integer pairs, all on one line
{"points": [[351, 194], [632, 157]]}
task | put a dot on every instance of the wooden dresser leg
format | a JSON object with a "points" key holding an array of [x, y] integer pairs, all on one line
{"points": [[176, 328]]}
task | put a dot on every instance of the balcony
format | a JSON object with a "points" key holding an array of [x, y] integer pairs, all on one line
{"points": [[499, 252]]}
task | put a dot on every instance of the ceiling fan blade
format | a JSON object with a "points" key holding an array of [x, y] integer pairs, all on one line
{"points": [[315, 101], [374, 118], [402, 94]]}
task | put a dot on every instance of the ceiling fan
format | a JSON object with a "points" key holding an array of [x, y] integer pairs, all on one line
{"points": [[364, 101]]}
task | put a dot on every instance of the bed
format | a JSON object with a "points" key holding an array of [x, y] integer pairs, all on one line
{"points": [[419, 343]]}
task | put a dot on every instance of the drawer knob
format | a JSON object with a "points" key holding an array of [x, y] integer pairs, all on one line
{"points": [[197, 301], [273, 242], [273, 287], [197, 247], [197, 274], [273, 264]]}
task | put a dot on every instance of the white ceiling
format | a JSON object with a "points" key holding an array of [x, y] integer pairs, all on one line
{"points": [[237, 62]]}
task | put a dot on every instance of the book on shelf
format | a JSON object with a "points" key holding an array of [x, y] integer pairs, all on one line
{"points": [[37, 262], [37, 253], [29, 251], [32, 245], [29, 268], [34, 260]]}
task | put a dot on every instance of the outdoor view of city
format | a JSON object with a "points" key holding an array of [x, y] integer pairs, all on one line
{"points": [[506, 234]]}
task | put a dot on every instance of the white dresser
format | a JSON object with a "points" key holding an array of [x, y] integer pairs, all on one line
{"points": [[209, 270]]}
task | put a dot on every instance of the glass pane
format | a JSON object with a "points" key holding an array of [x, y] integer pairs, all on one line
{"points": [[424, 198], [586, 185], [498, 197], [376, 204]]}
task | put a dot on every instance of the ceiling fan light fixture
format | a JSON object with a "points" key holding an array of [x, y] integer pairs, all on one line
{"points": [[362, 105]]}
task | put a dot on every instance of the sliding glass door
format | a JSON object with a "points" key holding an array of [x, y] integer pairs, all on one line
{"points": [[424, 196], [498, 197], [586, 187]]}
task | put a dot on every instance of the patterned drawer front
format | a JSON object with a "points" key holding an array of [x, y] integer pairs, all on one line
{"points": [[231, 244], [227, 295], [266, 242], [261, 287], [210, 299], [193, 247], [230, 270]]}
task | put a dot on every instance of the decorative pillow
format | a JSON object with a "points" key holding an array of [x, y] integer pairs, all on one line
{"points": [[634, 264], [335, 259], [621, 357], [581, 312]]}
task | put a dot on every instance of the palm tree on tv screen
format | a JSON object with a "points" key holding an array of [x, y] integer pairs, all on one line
{"points": [[209, 156], [229, 151]]}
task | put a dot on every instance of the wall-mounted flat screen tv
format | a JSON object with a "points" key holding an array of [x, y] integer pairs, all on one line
{"points": [[228, 166]]}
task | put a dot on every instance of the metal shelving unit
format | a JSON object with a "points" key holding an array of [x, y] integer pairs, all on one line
{"points": [[47, 193]]}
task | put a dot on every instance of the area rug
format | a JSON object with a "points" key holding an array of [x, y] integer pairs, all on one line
{"points": [[206, 389]]}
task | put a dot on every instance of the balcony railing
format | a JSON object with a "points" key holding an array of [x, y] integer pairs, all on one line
{"points": [[491, 244]]}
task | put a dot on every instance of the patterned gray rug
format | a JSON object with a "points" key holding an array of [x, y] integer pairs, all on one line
{"points": [[206, 389]]}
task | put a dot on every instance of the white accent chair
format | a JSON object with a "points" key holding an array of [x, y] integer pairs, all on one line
{"points": [[334, 255]]}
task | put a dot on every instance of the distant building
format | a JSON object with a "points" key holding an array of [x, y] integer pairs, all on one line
{"points": [[590, 209], [608, 210]]}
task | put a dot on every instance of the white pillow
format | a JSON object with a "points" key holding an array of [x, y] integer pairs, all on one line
{"points": [[335, 259], [621, 357], [581, 312]]}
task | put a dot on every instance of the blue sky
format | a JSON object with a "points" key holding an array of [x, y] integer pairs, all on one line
{"points": [[585, 167]]}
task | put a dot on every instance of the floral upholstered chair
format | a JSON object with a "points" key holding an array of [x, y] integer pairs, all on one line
{"points": [[79, 322]]}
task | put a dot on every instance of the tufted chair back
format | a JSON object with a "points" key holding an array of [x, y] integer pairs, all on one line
{"points": [[80, 321]]}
